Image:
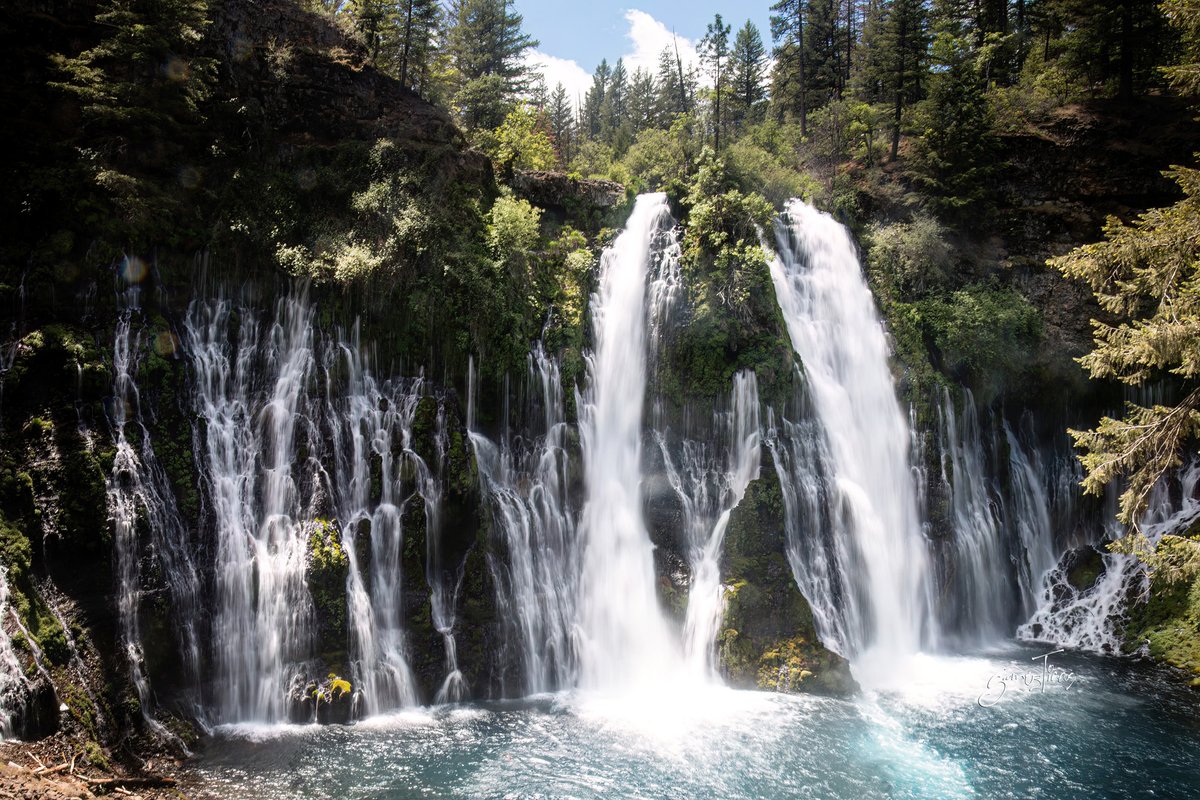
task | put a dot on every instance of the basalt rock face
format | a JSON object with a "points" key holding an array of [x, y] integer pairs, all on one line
{"points": [[566, 194], [768, 640]]}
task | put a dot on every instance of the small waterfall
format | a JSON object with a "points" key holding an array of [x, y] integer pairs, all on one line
{"points": [[812, 522], [444, 582], [625, 640], [537, 584], [1030, 509], [884, 605], [139, 494], [1090, 618], [14, 688], [710, 481], [367, 423], [979, 593], [250, 396]]}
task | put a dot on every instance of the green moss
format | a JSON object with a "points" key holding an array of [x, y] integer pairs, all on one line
{"points": [[1168, 624], [768, 639], [326, 574], [1084, 573]]}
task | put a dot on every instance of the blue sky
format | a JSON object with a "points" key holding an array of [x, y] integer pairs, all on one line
{"points": [[574, 36]]}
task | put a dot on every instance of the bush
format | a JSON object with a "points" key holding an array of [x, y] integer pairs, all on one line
{"points": [[908, 259], [514, 228]]}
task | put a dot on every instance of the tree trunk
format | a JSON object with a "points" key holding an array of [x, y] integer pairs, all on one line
{"points": [[899, 87], [1125, 90], [803, 84], [408, 32]]}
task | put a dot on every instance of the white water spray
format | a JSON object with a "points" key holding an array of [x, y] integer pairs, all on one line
{"points": [[884, 610]]}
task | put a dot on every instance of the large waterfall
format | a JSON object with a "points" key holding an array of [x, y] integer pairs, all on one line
{"points": [[877, 547], [626, 642], [901, 539]]}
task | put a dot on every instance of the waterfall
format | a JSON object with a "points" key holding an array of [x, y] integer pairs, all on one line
{"points": [[879, 551], [366, 423], [538, 583], [1030, 514], [710, 480], [625, 640], [14, 687], [250, 397], [1090, 618], [979, 592], [137, 485]]}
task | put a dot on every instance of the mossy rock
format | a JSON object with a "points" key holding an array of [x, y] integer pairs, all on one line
{"points": [[1167, 623], [768, 639]]}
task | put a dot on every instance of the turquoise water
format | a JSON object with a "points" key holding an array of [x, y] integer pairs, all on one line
{"points": [[1075, 727]]}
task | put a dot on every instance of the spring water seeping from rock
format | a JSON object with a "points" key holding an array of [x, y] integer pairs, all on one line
{"points": [[877, 549], [251, 378], [138, 490], [526, 485], [709, 475]]}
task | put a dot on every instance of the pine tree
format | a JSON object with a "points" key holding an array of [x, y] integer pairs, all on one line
{"points": [[643, 101], [674, 92], [823, 51], [562, 124], [790, 84], [714, 52], [486, 45], [748, 65], [893, 64], [595, 102], [1148, 275]]}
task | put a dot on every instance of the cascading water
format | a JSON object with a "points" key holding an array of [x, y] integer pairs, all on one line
{"points": [[1090, 618], [879, 550], [250, 396], [979, 591], [710, 480], [538, 582], [625, 642], [366, 421], [138, 484], [13, 686]]}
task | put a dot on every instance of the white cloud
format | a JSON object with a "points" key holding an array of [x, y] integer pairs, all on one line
{"points": [[573, 77], [649, 38]]}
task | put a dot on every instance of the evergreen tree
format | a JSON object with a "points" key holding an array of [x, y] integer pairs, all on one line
{"points": [[675, 93], [595, 102], [562, 124], [823, 51], [894, 64], [789, 81], [618, 95], [1147, 275], [486, 45], [643, 101], [714, 52], [141, 90], [748, 65]]}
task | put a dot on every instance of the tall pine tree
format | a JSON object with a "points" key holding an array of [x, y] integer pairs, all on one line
{"points": [[486, 46], [748, 66]]}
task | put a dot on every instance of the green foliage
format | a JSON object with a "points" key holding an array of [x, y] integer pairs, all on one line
{"points": [[957, 151], [1147, 274], [658, 161], [758, 171], [981, 336], [908, 259], [1167, 622], [486, 47], [522, 142], [514, 229]]}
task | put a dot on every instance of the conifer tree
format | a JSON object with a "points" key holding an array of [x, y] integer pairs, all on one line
{"points": [[790, 83], [714, 51], [748, 65], [486, 47]]}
